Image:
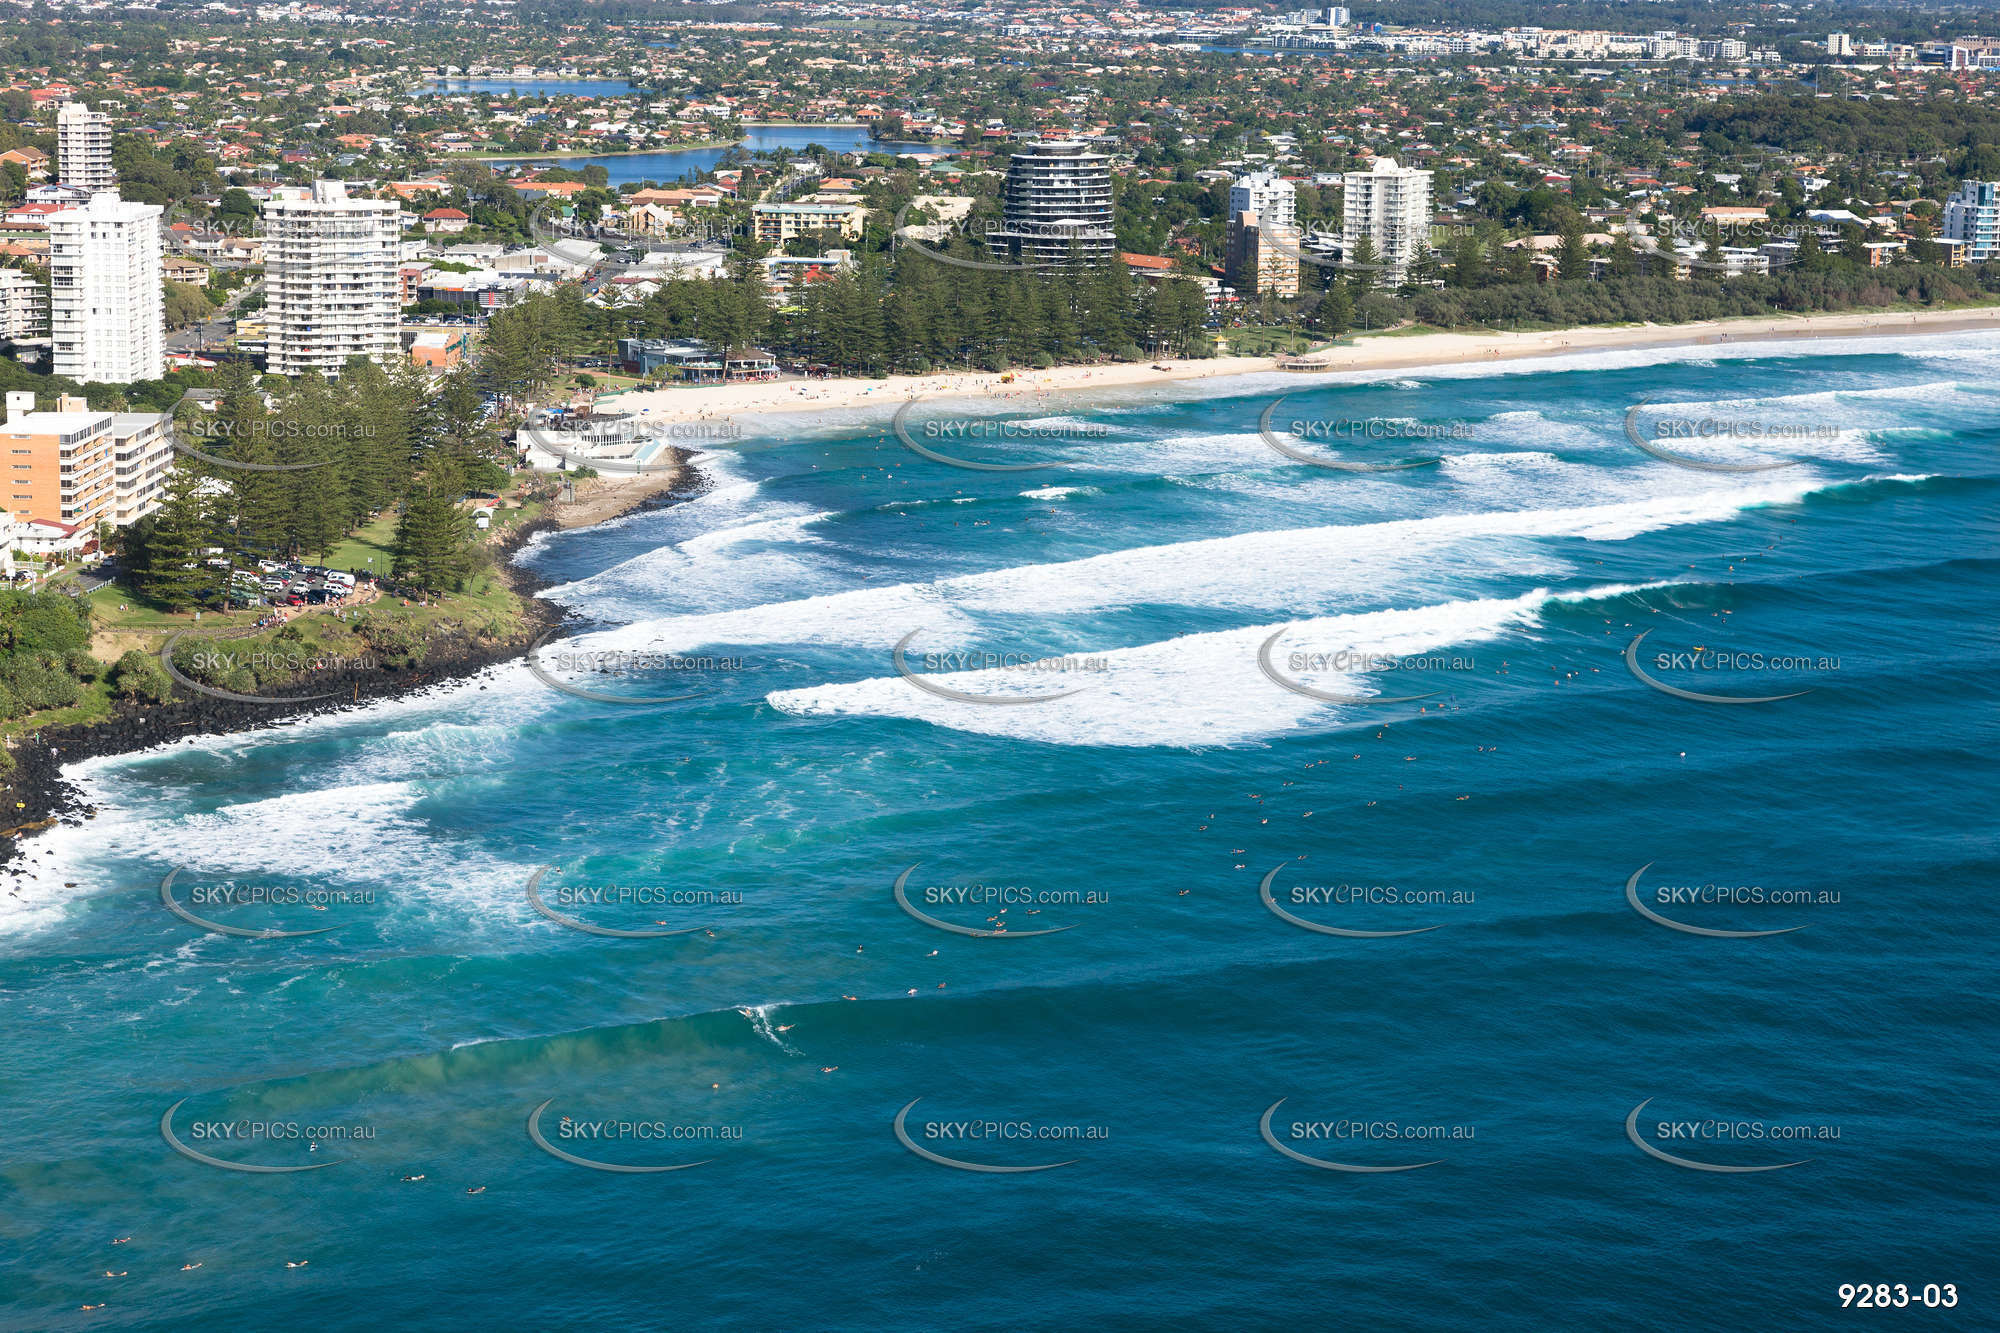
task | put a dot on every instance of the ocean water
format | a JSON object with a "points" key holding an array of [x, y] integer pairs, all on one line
{"points": [[1469, 805]]}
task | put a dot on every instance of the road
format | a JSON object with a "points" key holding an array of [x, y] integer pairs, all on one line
{"points": [[213, 331]]}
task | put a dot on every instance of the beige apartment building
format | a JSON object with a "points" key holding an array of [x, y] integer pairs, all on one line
{"points": [[83, 467], [83, 148], [777, 223], [1262, 257], [24, 306]]}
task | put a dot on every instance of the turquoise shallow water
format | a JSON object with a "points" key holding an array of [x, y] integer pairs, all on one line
{"points": [[776, 1043]]}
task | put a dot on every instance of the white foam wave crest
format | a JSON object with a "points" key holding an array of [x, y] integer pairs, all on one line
{"points": [[310, 835], [1199, 689], [1977, 346], [1296, 569], [1521, 460], [789, 527], [1973, 344], [1526, 427], [709, 566], [760, 1016], [453, 719], [1831, 425], [870, 617]]}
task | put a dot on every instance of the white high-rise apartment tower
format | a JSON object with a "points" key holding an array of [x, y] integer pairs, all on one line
{"points": [[1972, 215], [83, 148], [330, 279], [105, 311], [1270, 196], [1391, 207]]}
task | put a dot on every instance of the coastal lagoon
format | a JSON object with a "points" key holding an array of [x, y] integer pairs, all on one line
{"points": [[529, 85], [681, 163], [1366, 832]]}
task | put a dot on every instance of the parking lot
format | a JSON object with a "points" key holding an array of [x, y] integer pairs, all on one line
{"points": [[293, 587]]}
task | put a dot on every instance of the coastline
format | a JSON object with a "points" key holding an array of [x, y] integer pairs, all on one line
{"points": [[42, 797], [39, 796], [1369, 353]]}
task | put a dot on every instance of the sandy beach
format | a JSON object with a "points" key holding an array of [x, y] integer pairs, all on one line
{"points": [[1382, 352]]}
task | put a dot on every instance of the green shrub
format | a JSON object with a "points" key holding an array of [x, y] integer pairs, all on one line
{"points": [[43, 622], [37, 682], [139, 675]]}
